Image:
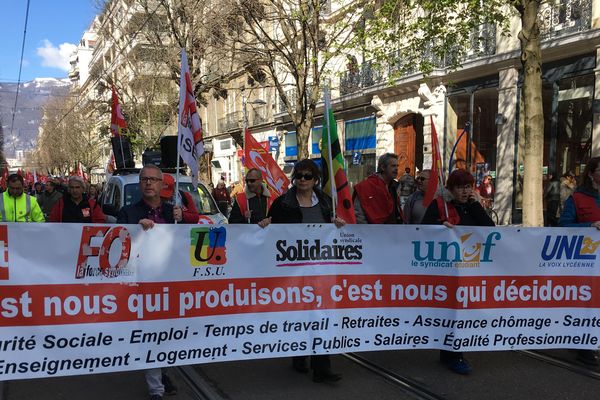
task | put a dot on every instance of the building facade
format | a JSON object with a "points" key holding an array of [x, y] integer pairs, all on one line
{"points": [[375, 117]]}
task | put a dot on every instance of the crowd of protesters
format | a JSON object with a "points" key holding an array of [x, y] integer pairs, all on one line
{"points": [[381, 198]]}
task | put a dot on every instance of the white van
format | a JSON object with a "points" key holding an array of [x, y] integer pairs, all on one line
{"points": [[123, 189]]}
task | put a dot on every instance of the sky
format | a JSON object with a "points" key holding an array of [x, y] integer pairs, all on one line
{"points": [[54, 28]]}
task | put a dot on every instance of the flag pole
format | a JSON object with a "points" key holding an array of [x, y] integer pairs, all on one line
{"points": [[465, 130], [438, 160], [246, 132], [116, 127], [329, 155], [179, 134]]}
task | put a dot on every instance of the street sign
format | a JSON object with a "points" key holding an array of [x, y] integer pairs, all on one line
{"points": [[273, 143]]}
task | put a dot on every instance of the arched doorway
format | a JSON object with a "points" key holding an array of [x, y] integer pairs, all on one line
{"points": [[408, 142]]}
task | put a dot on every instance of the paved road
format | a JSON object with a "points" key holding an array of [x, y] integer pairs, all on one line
{"points": [[496, 375]]}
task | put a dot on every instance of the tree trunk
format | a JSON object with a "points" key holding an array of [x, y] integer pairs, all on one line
{"points": [[532, 113], [302, 134]]}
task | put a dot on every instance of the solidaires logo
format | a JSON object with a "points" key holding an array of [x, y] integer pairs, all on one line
{"points": [[3, 252], [208, 246], [303, 252]]}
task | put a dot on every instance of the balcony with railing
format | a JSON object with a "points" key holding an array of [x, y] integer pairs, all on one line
{"points": [[561, 17], [258, 116], [370, 73], [291, 96], [230, 122]]}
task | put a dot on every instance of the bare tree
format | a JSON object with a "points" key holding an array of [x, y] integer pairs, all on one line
{"points": [[288, 44], [66, 138]]}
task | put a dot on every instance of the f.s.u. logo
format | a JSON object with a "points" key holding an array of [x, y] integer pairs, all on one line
{"points": [[93, 260], [208, 246]]}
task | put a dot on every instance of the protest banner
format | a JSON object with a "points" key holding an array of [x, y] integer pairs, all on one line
{"points": [[114, 298]]}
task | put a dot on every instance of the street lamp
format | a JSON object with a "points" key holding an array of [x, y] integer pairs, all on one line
{"points": [[257, 102], [245, 114]]}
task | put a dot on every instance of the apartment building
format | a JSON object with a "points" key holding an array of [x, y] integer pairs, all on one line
{"points": [[375, 117]]}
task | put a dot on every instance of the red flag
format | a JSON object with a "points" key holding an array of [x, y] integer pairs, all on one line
{"points": [[28, 178], [189, 129], [5, 174], [117, 120], [255, 156], [436, 168]]}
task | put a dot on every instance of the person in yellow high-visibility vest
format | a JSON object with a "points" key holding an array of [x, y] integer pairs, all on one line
{"points": [[16, 206]]}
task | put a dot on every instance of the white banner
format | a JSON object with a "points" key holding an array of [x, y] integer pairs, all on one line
{"points": [[77, 299]]}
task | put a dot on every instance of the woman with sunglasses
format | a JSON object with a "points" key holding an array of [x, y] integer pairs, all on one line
{"points": [[304, 202], [458, 205]]}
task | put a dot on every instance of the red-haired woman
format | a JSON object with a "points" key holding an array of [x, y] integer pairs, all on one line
{"points": [[463, 207]]}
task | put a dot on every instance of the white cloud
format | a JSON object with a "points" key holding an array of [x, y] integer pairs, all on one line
{"points": [[25, 63], [57, 57]]}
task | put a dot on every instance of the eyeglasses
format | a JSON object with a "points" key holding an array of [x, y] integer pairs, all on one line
{"points": [[465, 187], [248, 180], [149, 179], [306, 177], [422, 178]]}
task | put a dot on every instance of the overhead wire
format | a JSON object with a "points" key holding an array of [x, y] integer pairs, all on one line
{"points": [[12, 124]]}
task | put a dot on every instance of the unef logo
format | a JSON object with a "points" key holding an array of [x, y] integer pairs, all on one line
{"points": [[103, 251], [464, 254], [566, 247], [208, 246], [3, 252]]}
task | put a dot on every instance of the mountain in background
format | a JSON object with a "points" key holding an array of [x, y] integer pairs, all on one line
{"points": [[29, 112]]}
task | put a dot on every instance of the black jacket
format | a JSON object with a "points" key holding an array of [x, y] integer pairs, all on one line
{"points": [[133, 213], [471, 214], [286, 209]]}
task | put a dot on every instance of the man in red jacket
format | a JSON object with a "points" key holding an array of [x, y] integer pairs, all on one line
{"points": [[74, 206], [376, 197]]}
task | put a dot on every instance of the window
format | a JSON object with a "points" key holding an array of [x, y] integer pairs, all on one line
{"points": [[225, 144], [316, 135], [291, 145]]}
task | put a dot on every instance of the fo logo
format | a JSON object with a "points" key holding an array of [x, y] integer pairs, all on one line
{"points": [[3, 252], [569, 247], [104, 251], [208, 246]]}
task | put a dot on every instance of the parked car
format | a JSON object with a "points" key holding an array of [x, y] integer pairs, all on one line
{"points": [[123, 188]]}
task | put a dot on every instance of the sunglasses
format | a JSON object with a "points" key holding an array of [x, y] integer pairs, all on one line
{"points": [[251, 180], [306, 177], [421, 178]]}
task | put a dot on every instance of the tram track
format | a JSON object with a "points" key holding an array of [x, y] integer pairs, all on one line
{"points": [[561, 363], [200, 388], [406, 384]]}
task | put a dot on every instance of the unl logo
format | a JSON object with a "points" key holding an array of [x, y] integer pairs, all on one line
{"points": [[103, 251], [3, 252], [208, 246]]}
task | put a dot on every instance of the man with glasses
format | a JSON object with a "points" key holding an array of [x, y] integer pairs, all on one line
{"points": [[76, 207], [252, 205], [150, 210], [16, 206], [413, 208]]}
